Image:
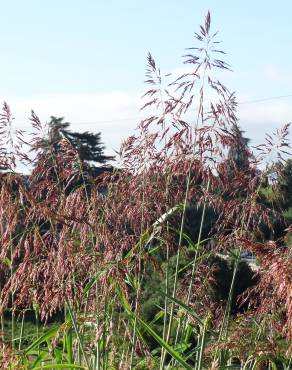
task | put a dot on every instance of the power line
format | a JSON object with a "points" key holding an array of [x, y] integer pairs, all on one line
{"points": [[265, 99], [239, 103], [138, 118]]}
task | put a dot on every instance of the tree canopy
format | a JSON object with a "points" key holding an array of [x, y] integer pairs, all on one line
{"points": [[285, 184], [88, 144], [239, 155]]}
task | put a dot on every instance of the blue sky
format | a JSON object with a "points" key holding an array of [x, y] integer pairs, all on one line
{"points": [[85, 60]]}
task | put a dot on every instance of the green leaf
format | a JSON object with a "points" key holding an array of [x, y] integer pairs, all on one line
{"points": [[157, 317], [188, 333], [69, 346], [48, 335], [182, 347], [125, 303], [148, 328], [60, 366], [7, 261], [200, 258], [57, 355], [186, 308], [90, 284], [41, 356], [164, 344]]}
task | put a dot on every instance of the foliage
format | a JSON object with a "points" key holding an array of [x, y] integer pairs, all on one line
{"points": [[88, 145], [132, 263], [285, 184], [240, 156]]}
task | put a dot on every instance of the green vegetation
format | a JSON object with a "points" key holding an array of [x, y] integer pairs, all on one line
{"points": [[144, 266]]}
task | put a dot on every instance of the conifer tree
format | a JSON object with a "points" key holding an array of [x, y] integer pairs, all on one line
{"points": [[88, 145]]}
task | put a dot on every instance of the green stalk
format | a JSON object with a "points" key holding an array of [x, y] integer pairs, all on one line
{"points": [[165, 306], [290, 363], [197, 249], [69, 346], [12, 300], [21, 331], [109, 341], [85, 313], [202, 345], [97, 353], [224, 326], [36, 311], [74, 322], [124, 353], [176, 268], [196, 124], [138, 279], [104, 333], [194, 265]]}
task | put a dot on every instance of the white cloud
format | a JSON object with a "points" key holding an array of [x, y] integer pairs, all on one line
{"points": [[260, 118], [277, 74], [116, 114]]}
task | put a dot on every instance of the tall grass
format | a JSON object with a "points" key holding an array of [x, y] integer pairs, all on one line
{"points": [[85, 249]]}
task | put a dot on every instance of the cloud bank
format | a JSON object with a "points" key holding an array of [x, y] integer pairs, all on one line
{"points": [[116, 114]]}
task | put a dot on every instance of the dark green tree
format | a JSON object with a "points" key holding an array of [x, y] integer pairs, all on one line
{"points": [[51, 164], [239, 154], [285, 185], [236, 170], [88, 145]]}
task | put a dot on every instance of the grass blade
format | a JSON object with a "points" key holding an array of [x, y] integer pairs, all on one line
{"points": [[48, 335]]}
